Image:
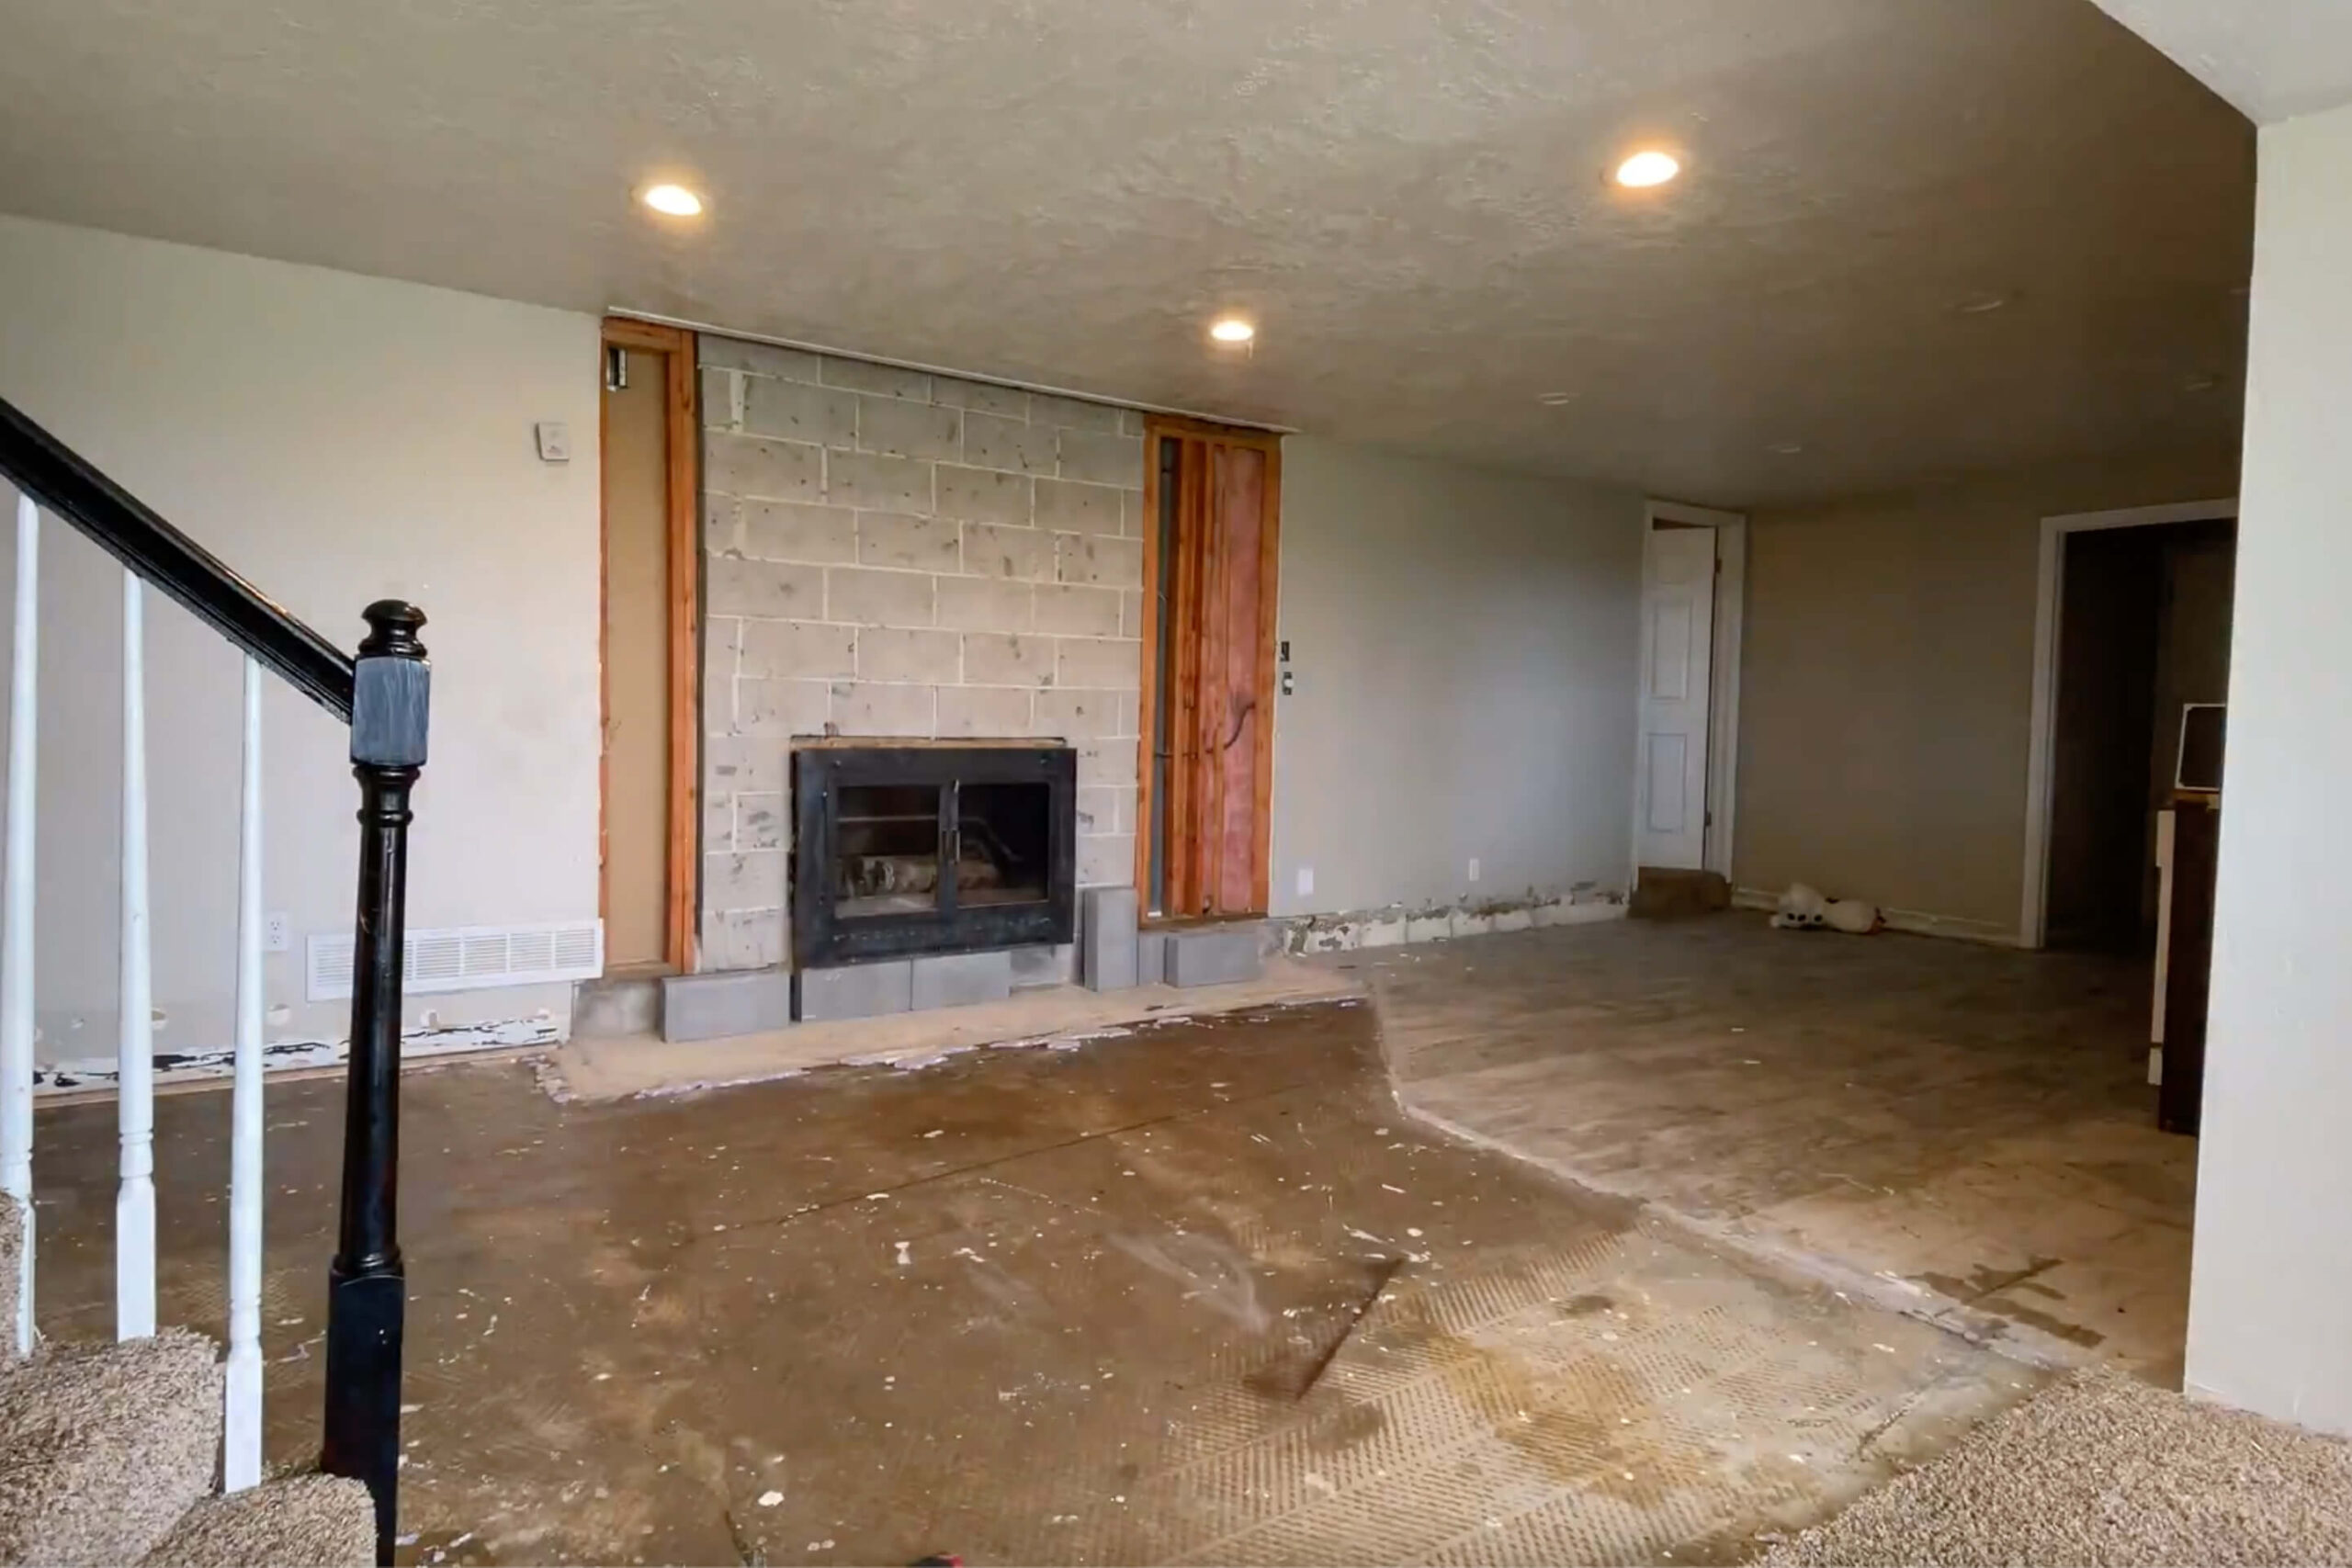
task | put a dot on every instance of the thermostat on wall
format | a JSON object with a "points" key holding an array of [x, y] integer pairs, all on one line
{"points": [[555, 440]]}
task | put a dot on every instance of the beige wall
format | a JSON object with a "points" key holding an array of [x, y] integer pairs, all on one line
{"points": [[1887, 680], [2272, 1270], [1464, 643], [337, 439]]}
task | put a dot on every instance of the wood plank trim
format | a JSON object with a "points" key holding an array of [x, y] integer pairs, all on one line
{"points": [[1188, 579], [683, 453]]}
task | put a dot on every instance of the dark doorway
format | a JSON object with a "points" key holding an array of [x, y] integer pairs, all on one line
{"points": [[2143, 632]]}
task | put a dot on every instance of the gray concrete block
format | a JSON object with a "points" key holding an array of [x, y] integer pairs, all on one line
{"points": [[1042, 968], [959, 979], [611, 1008], [1152, 958], [855, 990], [1106, 937], [1213, 956], [712, 1007]]}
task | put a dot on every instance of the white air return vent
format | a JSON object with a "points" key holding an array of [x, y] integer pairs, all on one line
{"points": [[470, 958]]}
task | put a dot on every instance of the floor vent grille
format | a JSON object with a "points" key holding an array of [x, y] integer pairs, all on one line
{"points": [[468, 958]]}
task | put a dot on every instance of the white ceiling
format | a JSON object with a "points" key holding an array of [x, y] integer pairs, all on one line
{"points": [[1409, 197], [2274, 59]]}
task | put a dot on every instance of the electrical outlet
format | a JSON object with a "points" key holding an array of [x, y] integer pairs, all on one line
{"points": [[1474, 868], [1306, 882], [278, 933]]}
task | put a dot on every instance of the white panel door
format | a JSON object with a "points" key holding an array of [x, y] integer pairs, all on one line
{"points": [[1677, 639]]}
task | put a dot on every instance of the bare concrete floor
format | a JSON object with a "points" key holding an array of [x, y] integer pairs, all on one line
{"points": [[1964, 1130], [1086, 1306]]}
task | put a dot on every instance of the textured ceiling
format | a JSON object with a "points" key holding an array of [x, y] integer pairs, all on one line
{"points": [[2274, 59], [1409, 197]]}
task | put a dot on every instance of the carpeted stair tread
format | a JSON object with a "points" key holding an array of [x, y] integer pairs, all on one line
{"points": [[12, 1245], [2104, 1469], [103, 1448], [307, 1520]]}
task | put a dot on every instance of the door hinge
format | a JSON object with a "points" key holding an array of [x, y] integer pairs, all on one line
{"points": [[1708, 819]]}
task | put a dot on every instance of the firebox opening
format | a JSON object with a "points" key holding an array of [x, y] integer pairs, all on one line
{"points": [[891, 838], [930, 848]]}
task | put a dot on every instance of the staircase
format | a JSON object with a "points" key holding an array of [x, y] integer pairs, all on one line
{"points": [[108, 1454], [148, 1450]]}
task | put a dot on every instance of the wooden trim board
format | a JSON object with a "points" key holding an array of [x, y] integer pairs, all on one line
{"points": [[683, 446]]}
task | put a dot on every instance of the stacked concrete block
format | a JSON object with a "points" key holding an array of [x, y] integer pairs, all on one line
{"points": [[713, 1007], [1106, 937], [855, 990], [960, 979], [896, 554], [1152, 958], [1213, 956], [1042, 968]]}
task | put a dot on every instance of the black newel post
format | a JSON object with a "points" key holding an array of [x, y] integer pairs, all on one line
{"points": [[366, 1293]]}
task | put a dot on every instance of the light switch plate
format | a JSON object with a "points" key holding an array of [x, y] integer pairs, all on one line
{"points": [[1306, 881], [1473, 869], [555, 440]]}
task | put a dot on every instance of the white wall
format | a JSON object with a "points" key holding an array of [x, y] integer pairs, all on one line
{"points": [[1465, 642], [336, 439], [2270, 1299]]}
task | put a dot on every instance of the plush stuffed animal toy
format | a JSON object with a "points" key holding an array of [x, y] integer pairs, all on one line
{"points": [[1804, 910], [1801, 909]]}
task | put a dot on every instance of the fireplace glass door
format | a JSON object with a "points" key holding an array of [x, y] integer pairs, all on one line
{"points": [[937, 849]]}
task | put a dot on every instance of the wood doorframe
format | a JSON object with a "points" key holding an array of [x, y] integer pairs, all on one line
{"points": [[1723, 681], [682, 449], [2041, 747], [1269, 555]]}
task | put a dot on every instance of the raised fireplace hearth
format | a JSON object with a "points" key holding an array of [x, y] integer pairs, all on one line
{"points": [[907, 848]]}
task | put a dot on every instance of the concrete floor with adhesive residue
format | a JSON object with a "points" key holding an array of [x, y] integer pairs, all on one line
{"points": [[1964, 1131], [1199, 1294]]}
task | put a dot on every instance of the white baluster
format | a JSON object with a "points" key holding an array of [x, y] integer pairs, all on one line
{"points": [[16, 909], [134, 1203], [241, 1439]]}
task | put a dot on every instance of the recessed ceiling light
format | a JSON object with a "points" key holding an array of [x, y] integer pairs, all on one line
{"points": [[1983, 304], [1232, 329], [1555, 400], [1651, 168], [677, 201]]}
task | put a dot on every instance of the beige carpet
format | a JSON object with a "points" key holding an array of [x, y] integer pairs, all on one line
{"points": [[2103, 1469]]}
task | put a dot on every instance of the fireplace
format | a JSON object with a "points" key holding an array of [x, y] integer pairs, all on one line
{"points": [[930, 848]]}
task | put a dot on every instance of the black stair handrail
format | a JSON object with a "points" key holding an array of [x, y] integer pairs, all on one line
{"points": [[124, 526], [384, 696]]}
